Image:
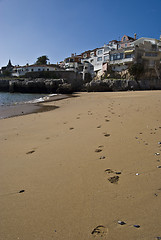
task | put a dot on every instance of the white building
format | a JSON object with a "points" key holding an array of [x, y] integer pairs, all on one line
{"points": [[22, 70]]}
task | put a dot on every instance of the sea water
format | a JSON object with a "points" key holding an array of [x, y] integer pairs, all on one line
{"points": [[18, 98]]}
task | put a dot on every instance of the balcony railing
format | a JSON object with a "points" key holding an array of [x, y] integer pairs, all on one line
{"points": [[121, 61]]}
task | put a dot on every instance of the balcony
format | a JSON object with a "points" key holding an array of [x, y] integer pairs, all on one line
{"points": [[121, 61]]}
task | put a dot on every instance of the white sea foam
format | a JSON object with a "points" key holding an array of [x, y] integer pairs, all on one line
{"points": [[42, 99]]}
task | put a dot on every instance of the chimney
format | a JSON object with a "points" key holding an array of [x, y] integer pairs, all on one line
{"points": [[135, 36]]}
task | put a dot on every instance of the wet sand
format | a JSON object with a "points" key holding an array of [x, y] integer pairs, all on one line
{"points": [[90, 169], [29, 108]]}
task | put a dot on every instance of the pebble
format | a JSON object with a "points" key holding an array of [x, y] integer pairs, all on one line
{"points": [[137, 174], [158, 166], [102, 157], [159, 142], [157, 153], [158, 238], [121, 223]]}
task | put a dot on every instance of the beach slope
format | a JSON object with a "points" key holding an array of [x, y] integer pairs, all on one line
{"points": [[90, 169]]}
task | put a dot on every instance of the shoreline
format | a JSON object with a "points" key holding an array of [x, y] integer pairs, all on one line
{"points": [[20, 109]]}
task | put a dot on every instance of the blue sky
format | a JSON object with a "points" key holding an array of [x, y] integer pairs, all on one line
{"points": [[32, 28]]}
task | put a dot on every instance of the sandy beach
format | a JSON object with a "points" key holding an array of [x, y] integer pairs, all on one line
{"points": [[89, 169]]}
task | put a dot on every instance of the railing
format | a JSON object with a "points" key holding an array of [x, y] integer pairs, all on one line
{"points": [[121, 61]]}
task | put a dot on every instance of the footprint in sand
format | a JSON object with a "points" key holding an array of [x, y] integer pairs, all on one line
{"points": [[98, 150], [106, 134], [30, 152], [100, 231], [115, 178], [108, 170]]}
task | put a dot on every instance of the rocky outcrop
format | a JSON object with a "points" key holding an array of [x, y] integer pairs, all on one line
{"points": [[35, 86], [40, 85], [122, 85], [4, 85]]}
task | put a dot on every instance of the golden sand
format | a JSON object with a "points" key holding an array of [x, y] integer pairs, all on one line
{"points": [[83, 169]]}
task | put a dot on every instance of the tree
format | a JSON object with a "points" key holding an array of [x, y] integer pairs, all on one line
{"points": [[136, 70], [42, 60]]}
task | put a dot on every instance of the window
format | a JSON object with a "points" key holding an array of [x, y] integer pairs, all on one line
{"points": [[121, 55], [99, 59], [111, 57], [106, 58], [32, 69], [128, 56], [39, 69], [91, 60], [99, 52], [125, 44], [115, 57], [47, 69], [92, 54], [124, 39], [85, 55], [91, 67]]}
